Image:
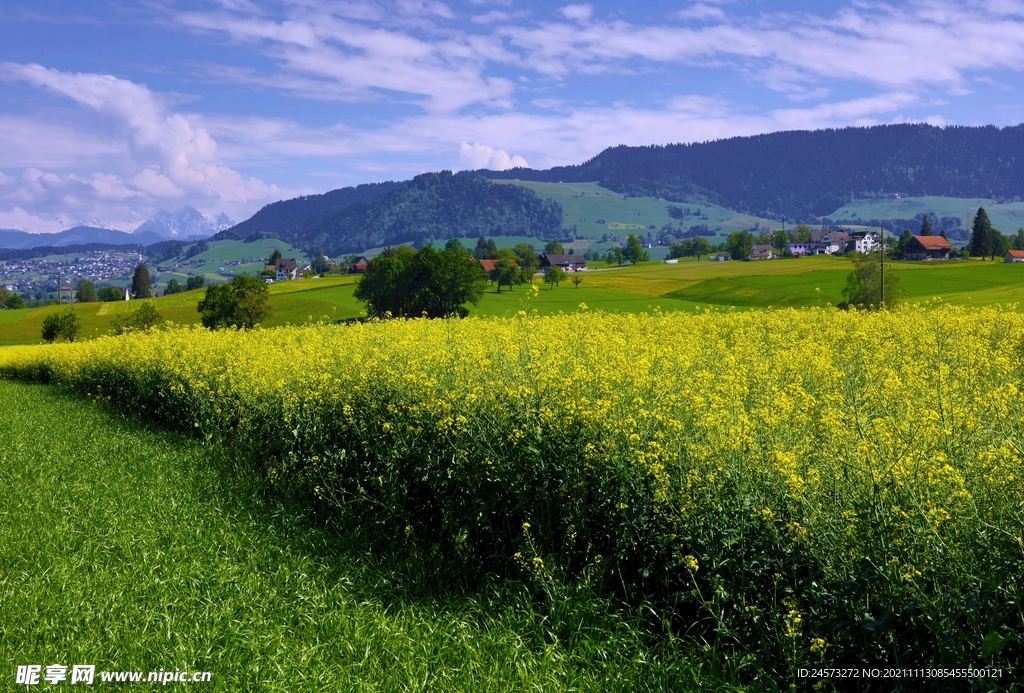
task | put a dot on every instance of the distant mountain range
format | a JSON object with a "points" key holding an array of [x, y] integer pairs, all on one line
{"points": [[804, 175], [186, 225]]}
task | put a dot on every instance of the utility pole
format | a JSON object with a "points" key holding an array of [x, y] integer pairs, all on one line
{"points": [[882, 265]]}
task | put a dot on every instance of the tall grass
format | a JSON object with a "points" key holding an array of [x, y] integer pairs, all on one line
{"points": [[137, 550]]}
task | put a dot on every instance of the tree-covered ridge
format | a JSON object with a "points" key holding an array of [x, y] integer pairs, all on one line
{"points": [[435, 206], [807, 174], [293, 216], [431, 206]]}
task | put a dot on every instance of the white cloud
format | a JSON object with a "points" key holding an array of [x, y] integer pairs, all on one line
{"points": [[162, 156], [701, 11], [579, 13], [476, 156]]}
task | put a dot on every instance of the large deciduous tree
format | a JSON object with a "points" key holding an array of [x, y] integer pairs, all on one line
{"points": [[404, 283], [242, 303], [739, 244]]}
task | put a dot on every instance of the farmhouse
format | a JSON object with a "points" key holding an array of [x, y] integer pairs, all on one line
{"points": [[861, 242], [761, 252], [569, 263], [359, 265], [927, 248], [285, 268], [489, 265]]}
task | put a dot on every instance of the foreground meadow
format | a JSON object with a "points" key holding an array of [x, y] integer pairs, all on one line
{"points": [[794, 489], [136, 550]]}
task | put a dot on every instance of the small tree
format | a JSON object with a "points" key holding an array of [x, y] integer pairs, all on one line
{"points": [[63, 325], [701, 247], [577, 280], [554, 275], [926, 226], [801, 234], [553, 247], [195, 282], [1018, 240], [143, 319], [275, 255], [485, 249], [14, 302], [173, 287], [86, 291], [110, 293], [981, 243], [864, 285], [634, 251], [739, 244], [506, 273], [141, 287], [904, 240], [319, 264]]}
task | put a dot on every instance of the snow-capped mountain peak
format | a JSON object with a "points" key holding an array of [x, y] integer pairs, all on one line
{"points": [[187, 222]]}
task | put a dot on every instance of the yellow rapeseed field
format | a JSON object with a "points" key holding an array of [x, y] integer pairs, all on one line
{"points": [[811, 487]]}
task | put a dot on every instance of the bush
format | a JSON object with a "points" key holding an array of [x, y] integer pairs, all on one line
{"points": [[110, 293], [143, 319], [61, 326]]}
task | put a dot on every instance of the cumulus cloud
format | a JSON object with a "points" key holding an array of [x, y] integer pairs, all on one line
{"points": [[579, 13], [166, 159], [476, 156]]}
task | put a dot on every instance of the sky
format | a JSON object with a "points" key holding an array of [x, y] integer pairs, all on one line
{"points": [[111, 111]]}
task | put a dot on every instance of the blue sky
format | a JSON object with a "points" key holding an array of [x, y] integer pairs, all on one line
{"points": [[110, 111]]}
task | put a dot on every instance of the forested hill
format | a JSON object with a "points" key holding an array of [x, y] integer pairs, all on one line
{"points": [[291, 216], [430, 207], [806, 174]]}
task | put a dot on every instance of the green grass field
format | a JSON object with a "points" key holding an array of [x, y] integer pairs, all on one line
{"points": [[135, 549], [801, 282]]}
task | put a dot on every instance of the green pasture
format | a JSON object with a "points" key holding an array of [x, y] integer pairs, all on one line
{"points": [[971, 283], [584, 203], [1006, 217], [798, 282], [135, 549]]}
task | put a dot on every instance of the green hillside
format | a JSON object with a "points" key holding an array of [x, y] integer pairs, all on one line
{"points": [[1006, 217], [222, 260], [583, 204]]}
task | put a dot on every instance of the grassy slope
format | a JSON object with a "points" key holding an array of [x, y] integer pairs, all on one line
{"points": [[135, 549], [589, 201], [1006, 217], [222, 252]]}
